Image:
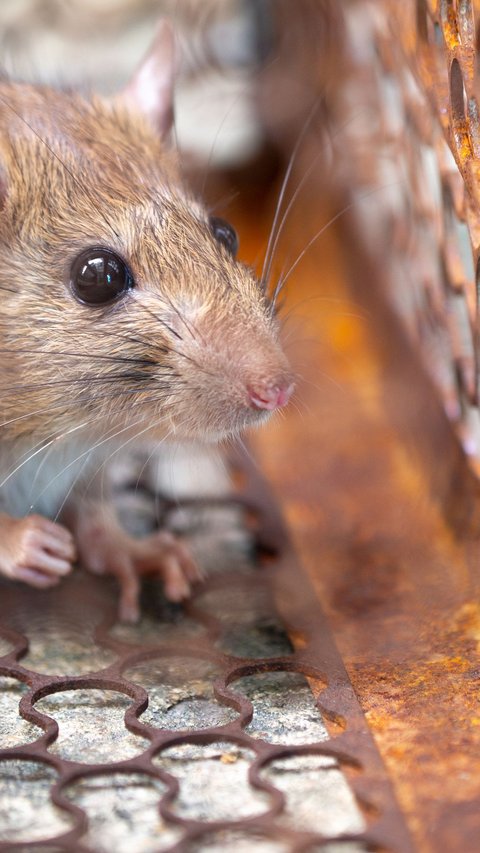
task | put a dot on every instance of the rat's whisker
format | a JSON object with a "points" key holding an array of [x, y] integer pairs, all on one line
{"points": [[159, 320], [268, 268], [238, 440], [70, 489], [115, 359], [322, 230], [189, 326], [208, 164], [283, 188], [328, 378], [147, 460], [109, 437], [90, 398], [301, 413], [36, 452], [361, 314], [135, 437]]}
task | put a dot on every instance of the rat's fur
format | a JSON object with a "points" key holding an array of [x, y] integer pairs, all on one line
{"points": [[176, 354]]}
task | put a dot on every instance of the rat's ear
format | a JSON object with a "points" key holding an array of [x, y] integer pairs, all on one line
{"points": [[150, 90], [3, 186]]}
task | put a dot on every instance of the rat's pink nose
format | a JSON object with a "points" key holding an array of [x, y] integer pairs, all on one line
{"points": [[270, 397]]}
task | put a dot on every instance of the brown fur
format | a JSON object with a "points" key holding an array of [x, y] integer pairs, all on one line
{"points": [[191, 350], [180, 349]]}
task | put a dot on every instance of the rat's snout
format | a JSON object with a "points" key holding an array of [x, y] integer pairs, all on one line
{"points": [[233, 369], [270, 395]]}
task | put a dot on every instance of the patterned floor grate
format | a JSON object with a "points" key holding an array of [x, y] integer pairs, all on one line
{"points": [[197, 729]]}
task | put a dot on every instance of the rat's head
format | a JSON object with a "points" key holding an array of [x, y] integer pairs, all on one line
{"points": [[122, 298]]}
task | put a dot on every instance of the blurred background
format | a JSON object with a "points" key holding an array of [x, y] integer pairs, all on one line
{"points": [[348, 129], [305, 126], [224, 45]]}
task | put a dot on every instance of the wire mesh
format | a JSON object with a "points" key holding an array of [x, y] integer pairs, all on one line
{"points": [[413, 142]]}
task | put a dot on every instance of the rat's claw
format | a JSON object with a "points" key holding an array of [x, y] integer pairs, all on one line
{"points": [[34, 578], [128, 608], [176, 585], [106, 549], [35, 550], [189, 566], [164, 555]]}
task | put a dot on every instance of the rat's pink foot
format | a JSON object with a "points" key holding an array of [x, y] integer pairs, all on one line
{"points": [[35, 550], [105, 549], [161, 554]]}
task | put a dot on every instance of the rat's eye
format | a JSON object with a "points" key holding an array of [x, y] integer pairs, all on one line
{"points": [[99, 276], [224, 234]]}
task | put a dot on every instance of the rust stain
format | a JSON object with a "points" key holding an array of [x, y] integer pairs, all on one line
{"points": [[382, 505]]}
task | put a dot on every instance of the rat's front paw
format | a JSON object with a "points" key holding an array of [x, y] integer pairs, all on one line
{"points": [[164, 555], [35, 550], [105, 549]]}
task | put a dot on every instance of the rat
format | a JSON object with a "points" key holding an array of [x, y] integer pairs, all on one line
{"points": [[124, 314]]}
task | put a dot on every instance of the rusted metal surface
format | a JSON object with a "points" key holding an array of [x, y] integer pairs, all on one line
{"points": [[380, 478], [400, 591], [413, 179]]}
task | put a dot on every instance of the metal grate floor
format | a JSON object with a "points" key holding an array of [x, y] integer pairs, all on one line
{"points": [[197, 729]]}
